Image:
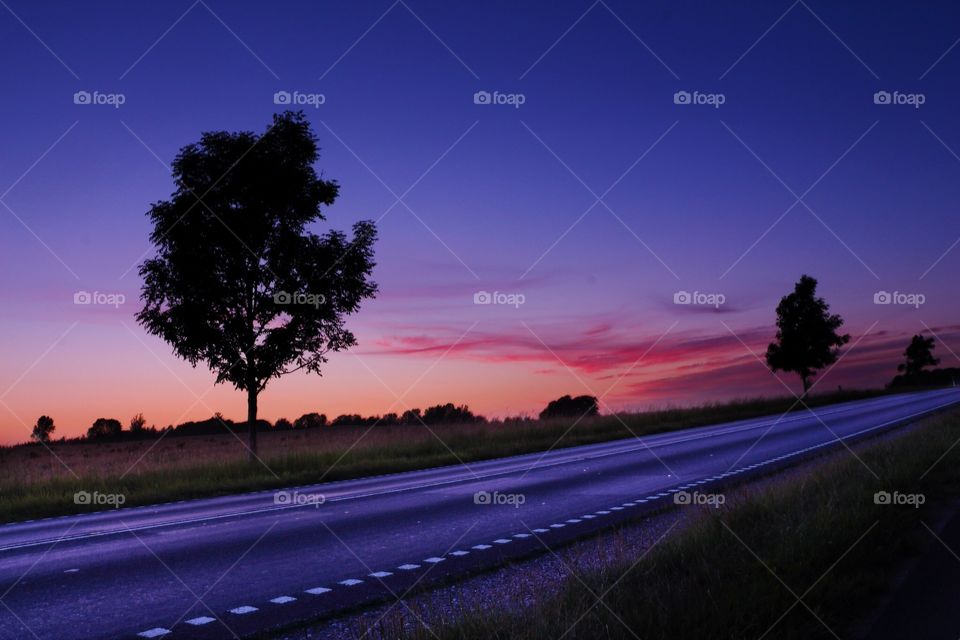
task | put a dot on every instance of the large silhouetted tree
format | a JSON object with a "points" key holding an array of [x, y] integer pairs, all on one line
{"points": [[239, 282], [918, 354], [807, 338]]}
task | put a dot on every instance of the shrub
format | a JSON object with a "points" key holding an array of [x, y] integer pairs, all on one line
{"points": [[567, 407]]}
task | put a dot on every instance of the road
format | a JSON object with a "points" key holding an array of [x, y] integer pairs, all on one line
{"points": [[232, 566]]}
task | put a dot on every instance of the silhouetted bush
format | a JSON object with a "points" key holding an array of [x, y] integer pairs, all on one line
{"points": [[411, 416], [567, 407], [450, 414], [215, 425], [310, 421], [927, 378], [282, 424], [104, 428], [137, 424], [354, 419]]}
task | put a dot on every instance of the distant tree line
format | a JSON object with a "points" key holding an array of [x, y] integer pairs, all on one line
{"points": [[112, 429]]}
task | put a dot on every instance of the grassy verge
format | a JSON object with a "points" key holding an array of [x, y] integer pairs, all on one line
{"points": [[38, 483], [732, 573]]}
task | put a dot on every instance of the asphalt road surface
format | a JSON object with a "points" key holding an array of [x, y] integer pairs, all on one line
{"points": [[236, 565]]}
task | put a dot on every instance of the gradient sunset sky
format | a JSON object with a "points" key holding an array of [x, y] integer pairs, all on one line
{"points": [[597, 199]]}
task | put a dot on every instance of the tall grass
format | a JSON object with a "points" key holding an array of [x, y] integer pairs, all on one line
{"points": [[38, 482]]}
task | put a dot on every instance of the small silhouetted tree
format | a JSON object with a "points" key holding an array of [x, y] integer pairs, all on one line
{"points": [[567, 407], [43, 429], [104, 428], [918, 354], [282, 424], [138, 424], [238, 282], [807, 338]]}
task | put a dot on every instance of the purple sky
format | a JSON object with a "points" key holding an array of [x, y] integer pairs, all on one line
{"points": [[597, 199]]}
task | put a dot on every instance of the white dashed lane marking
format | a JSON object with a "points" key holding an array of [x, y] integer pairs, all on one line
{"points": [[541, 530], [351, 582], [317, 591], [282, 600], [156, 632], [244, 610], [480, 547], [200, 621], [434, 560], [380, 574], [459, 553], [408, 567], [502, 541]]}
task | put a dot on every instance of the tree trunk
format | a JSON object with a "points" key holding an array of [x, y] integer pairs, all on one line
{"points": [[252, 421]]}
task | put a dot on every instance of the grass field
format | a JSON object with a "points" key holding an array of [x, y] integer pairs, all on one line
{"points": [[40, 482], [732, 573]]}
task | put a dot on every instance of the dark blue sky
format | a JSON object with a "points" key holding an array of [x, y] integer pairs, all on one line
{"points": [[501, 196]]}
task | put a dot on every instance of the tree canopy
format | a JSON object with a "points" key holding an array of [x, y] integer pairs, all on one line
{"points": [[239, 282], [807, 338], [43, 429], [918, 355]]}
